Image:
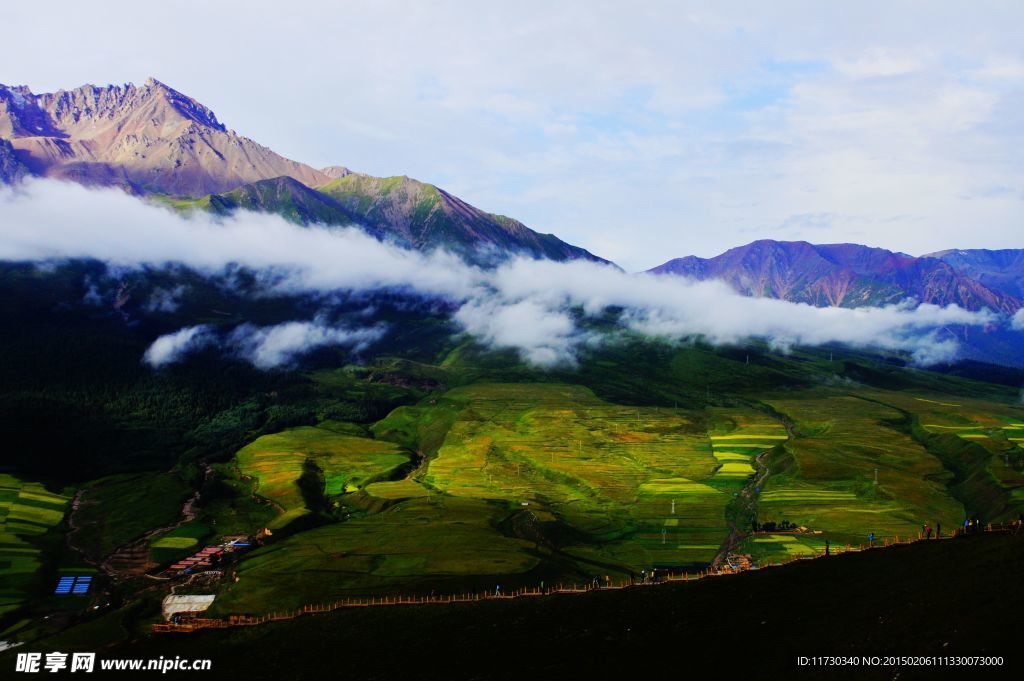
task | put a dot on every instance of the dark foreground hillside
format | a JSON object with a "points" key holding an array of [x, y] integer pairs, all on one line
{"points": [[953, 597]]}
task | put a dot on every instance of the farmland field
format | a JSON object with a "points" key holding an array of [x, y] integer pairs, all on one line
{"points": [[347, 463], [825, 479], [27, 511], [520, 482], [630, 481], [991, 452], [520, 479], [177, 543]]}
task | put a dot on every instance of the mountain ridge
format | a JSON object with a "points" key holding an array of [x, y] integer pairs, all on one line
{"points": [[152, 140], [1001, 269], [840, 275], [148, 138]]}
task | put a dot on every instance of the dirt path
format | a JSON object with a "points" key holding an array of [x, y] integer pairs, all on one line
{"points": [[132, 558], [748, 497], [73, 528]]}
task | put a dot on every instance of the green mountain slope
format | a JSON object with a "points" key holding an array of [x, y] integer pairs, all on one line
{"points": [[423, 216], [286, 197]]}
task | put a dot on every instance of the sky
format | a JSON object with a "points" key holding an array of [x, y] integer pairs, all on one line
{"points": [[641, 131]]}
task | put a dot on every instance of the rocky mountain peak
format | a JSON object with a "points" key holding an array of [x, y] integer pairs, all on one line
{"points": [[151, 137]]}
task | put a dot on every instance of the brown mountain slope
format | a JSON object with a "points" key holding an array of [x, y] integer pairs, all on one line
{"points": [[150, 138], [11, 169]]}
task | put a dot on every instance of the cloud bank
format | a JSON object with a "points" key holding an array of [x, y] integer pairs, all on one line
{"points": [[532, 306], [172, 347], [1018, 320]]}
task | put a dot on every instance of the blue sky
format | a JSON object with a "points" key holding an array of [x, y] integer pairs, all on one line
{"points": [[642, 132]]}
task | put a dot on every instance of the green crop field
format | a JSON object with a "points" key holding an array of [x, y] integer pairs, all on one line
{"points": [[27, 510], [997, 481], [612, 473], [772, 547], [178, 543], [825, 480], [348, 463], [519, 480]]}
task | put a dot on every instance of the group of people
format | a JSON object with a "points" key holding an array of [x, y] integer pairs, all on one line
{"points": [[646, 577], [972, 525]]}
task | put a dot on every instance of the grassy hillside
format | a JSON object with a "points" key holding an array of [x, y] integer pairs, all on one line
{"points": [[923, 599], [524, 482], [304, 469]]}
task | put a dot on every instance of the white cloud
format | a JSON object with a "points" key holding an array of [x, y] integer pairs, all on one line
{"points": [[544, 335], [274, 346], [172, 347], [265, 347], [675, 308], [48, 219], [524, 304], [1018, 320], [881, 63]]}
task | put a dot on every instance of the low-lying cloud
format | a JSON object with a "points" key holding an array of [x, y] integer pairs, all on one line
{"points": [[274, 346], [265, 347], [529, 305], [172, 347], [1017, 323]]}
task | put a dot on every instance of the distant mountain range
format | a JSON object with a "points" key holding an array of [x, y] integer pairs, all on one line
{"points": [[155, 141], [850, 275], [1001, 270]]}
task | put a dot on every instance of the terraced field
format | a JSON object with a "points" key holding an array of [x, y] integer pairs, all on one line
{"points": [[825, 481], [517, 477], [177, 543], [771, 547], [995, 427], [632, 480], [27, 511], [348, 463], [738, 438], [525, 481]]}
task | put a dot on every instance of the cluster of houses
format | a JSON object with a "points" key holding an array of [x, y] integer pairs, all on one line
{"points": [[210, 557]]}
